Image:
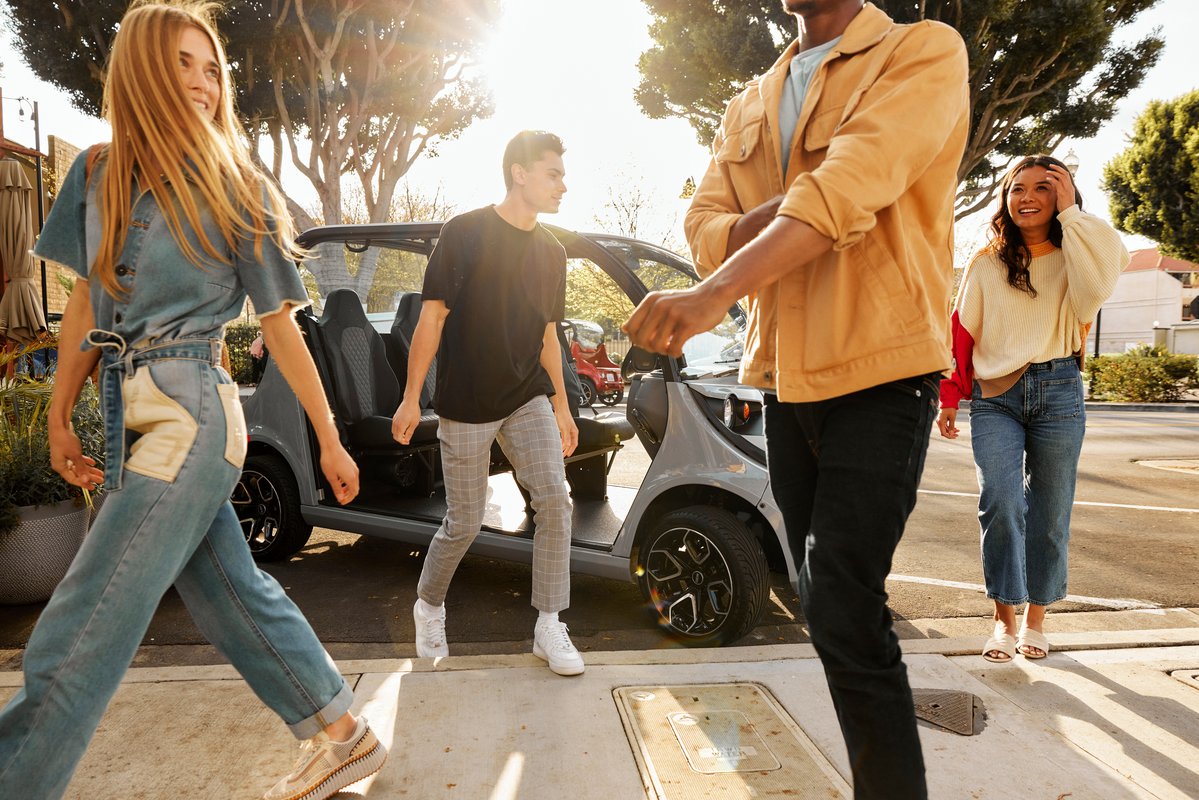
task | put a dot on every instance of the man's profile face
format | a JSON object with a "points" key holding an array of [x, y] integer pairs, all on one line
{"points": [[543, 182]]}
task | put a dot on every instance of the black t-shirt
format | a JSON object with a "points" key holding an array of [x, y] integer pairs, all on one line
{"points": [[502, 286]]}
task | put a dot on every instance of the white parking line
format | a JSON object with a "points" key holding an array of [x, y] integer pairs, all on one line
{"points": [[1083, 503], [1074, 598]]}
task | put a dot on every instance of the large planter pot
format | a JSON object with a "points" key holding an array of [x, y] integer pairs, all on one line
{"points": [[35, 555]]}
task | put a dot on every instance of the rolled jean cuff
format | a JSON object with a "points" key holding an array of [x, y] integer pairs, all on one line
{"points": [[335, 710], [1026, 599]]}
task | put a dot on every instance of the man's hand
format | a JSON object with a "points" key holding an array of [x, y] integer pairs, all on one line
{"points": [[341, 472], [567, 428], [404, 422], [68, 460], [664, 321], [947, 423]]}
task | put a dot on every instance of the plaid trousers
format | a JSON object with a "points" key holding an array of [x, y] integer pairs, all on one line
{"points": [[530, 439]]}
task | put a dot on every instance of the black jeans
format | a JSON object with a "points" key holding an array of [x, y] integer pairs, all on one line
{"points": [[844, 473]]}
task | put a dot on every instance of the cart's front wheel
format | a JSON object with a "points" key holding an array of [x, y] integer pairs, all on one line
{"points": [[267, 502], [705, 576]]}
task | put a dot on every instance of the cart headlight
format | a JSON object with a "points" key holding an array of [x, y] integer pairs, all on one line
{"points": [[736, 412]]}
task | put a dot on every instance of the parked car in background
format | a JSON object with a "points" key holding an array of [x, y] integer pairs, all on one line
{"points": [[598, 374]]}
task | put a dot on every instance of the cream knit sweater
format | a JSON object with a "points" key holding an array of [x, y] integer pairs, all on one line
{"points": [[1010, 327]]}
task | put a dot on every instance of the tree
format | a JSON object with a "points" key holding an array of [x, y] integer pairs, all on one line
{"points": [[368, 85], [1153, 186], [1039, 72]]}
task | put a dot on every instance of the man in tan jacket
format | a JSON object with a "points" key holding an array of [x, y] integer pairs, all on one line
{"points": [[829, 202]]}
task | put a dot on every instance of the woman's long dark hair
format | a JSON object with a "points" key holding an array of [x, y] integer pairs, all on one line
{"points": [[1006, 241]]}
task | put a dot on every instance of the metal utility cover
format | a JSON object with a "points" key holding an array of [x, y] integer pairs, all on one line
{"points": [[951, 710], [1188, 676], [729, 740]]}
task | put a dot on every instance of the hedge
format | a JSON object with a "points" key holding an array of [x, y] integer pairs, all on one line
{"points": [[238, 338], [1143, 375]]}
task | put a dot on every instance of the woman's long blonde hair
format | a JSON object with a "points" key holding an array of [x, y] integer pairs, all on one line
{"points": [[157, 130]]}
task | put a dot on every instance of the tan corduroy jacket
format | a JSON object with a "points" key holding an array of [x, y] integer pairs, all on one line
{"points": [[873, 166]]}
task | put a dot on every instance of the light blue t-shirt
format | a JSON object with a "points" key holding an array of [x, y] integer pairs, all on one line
{"points": [[795, 90]]}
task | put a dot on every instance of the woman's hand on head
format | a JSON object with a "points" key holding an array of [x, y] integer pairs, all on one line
{"points": [[1063, 183]]}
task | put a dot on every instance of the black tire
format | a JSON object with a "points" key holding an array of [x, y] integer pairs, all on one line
{"points": [[589, 392], [267, 502], [612, 398], [709, 549]]}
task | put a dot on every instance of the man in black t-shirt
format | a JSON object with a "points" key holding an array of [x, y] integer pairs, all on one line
{"points": [[495, 288]]}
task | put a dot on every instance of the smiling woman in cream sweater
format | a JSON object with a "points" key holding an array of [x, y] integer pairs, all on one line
{"points": [[1019, 325]]}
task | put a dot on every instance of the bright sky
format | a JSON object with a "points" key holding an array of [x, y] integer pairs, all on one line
{"points": [[570, 67]]}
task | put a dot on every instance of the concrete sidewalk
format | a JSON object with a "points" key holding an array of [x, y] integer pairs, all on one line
{"points": [[1110, 714]]}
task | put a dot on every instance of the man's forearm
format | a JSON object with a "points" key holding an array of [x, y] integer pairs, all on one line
{"points": [[779, 248], [551, 362], [425, 340]]}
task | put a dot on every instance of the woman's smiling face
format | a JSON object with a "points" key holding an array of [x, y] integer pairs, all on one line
{"points": [[1031, 200], [200, 70]]}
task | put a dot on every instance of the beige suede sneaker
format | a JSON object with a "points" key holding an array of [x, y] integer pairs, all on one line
{"points": [[326, 767]]}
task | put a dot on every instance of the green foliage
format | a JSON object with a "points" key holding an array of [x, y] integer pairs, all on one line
{"points": [[26, 477], [1144, 375], [238, 338], [1153, 186], [1039, 71]]}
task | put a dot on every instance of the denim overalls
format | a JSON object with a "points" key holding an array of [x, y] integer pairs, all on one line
{"points": [[176, 440]]}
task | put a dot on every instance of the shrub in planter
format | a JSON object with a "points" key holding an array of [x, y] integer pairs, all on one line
{"points": [[28, 484], [1144, 375]]}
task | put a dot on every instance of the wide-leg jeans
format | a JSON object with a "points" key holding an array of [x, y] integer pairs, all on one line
{"points": [[844, 473], [150, 534], [1026, 443]]}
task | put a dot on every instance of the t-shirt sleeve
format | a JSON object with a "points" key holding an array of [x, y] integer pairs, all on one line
{"points": [[63, 240], [445, 274], [273, 279]]}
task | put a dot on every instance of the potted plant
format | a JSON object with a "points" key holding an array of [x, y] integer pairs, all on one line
{"points": [[43, 519]]}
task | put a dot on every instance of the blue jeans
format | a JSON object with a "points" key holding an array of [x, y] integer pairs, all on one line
{"points": [[170, 523], [1026, 445], [844, 473]]}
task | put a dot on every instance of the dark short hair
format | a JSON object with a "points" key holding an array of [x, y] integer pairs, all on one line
{"points": [[526, 149]]}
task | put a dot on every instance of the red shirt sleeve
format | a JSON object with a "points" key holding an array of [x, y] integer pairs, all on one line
{"points": [[960, 384]]}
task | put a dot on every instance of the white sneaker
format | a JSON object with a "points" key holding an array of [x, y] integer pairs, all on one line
{"points": [[430, 632], [551, 643], [326, 767]]}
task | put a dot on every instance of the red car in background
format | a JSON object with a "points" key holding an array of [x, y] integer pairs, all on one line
{"points": [[598, 374]]}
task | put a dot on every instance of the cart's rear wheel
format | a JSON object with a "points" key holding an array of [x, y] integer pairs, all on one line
{"points": [[267, 502], [705, 576], [612, 398]]}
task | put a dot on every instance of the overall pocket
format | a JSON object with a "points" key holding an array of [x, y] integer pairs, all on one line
{"points": [[167, 430], [235, 425]]}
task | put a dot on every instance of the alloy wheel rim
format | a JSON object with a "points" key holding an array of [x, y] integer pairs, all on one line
{"points": [[259, 509], [690, 583]]}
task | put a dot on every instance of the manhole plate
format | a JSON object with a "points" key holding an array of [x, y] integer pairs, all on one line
{"points": [[1188, 676], [949, 709], [730, 740]]}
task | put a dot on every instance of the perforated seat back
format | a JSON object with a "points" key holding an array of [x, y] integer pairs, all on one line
{"points": [[363, 383], [402, 329]]}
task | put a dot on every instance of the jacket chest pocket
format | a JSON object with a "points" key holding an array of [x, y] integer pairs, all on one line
{"points": [[738, 151]]}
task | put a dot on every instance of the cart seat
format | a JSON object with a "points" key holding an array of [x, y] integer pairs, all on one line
{"points": [[365, 391], [605, 430]]}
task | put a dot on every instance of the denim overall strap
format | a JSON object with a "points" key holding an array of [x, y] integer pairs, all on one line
{"points": [[120, 361]]}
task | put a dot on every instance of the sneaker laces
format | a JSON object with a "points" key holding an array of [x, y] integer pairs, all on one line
{"points": [[435, 631], [556, 637]]}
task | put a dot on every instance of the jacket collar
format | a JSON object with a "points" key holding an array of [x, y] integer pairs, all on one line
{"points": [[864, 31]]}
